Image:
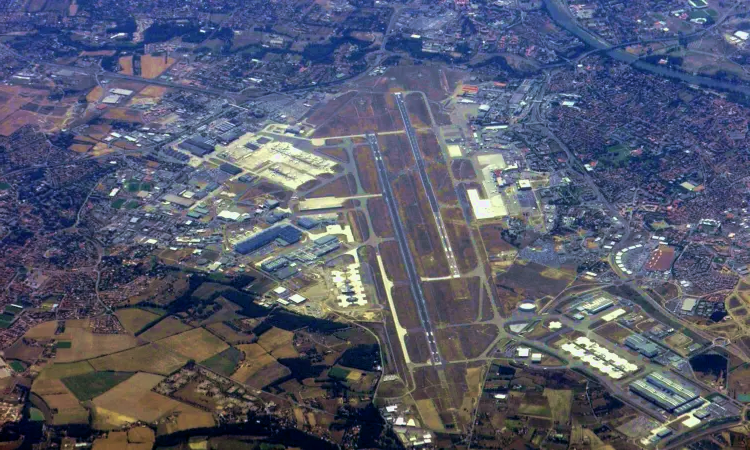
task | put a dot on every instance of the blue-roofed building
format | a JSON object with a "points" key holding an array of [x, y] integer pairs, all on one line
{"points": [[307, 223], [286, 234]]}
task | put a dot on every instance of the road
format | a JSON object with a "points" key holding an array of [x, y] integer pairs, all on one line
{"points": [[411, 134], [398, 228]]}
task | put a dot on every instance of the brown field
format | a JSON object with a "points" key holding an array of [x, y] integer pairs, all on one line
{"points": [[460, 239], [133, 399], [134, 319], [416, 345], [358, 222], [188, 419], [126, 64], [61, 406], [86, 345], [465, 342], [396, 152], [366, 171], [363, 113], [494, 245], [394, 264], [343, 186], [368, 257], [436, 82], [530, 280], [379, 216], [197, 344], [154, 65], [152, 358], [614, 332], [322, 113], [418, 113], [153, 91], [95, 94], [406, 307], [453, 301], [228, 334], [123, 114], [258, 369], [339, 154], [275, 338], [463, 170], [421, 229], [166, 327], [22, 352]]}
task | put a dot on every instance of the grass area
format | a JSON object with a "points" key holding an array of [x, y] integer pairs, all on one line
{"points": [[63, 344], [17, 366], [338, 373], [117, 204], [132, 204], [89, 385], [133, 186], [4, 186], [35, 415], [225, 362]]}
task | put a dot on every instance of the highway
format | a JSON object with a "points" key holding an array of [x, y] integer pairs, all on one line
{"points": [[412, 136], [398, 228]]}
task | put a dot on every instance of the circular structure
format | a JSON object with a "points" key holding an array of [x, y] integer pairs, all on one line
{"points": [[527, 306]]}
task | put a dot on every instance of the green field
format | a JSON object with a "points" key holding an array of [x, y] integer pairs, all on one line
{"points": [[17, 366], [132, 204], [4, 186], [90, 385], [224, 363], [35, 415], [63, 344], [117, 204]]}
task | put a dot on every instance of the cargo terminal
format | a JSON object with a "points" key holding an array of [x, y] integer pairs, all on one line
{"points": [[666, 393]]}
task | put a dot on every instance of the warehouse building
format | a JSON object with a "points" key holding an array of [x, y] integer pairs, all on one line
{"points": [[642, 345], [284, 235], [667, 393]]}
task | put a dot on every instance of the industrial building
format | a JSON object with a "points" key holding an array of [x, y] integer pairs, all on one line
{"points": [[666, 393], [596, 305], [230, 169], [197, 146], [642, 345], [284, 235]]}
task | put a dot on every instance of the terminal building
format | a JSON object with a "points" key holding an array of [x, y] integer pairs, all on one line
{"points": [[284, 235], [666, 393], [642, 345]]}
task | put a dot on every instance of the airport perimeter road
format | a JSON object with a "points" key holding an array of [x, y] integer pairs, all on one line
{"points": [[414, 281], [412, 136]]}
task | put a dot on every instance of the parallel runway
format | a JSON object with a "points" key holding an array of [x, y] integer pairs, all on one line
{"points": [[412, 136], [414, 281]]}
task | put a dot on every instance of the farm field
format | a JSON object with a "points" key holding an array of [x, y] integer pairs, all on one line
{"points": [[134, 319], [133, 400], [166, 327], [152, 358], [154, 65], [126, 65], [228, 334], [90, 385], [224, 363], [58, 404], [197, 344]]}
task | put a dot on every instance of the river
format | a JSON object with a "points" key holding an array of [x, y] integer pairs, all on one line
{"points": [[561, 15]]}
